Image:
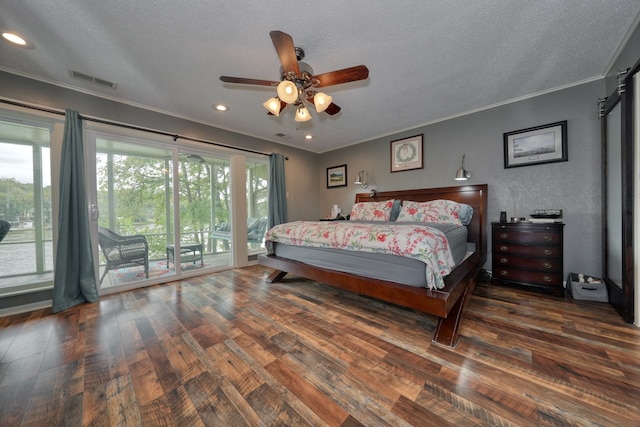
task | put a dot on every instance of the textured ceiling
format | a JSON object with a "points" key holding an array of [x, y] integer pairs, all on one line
{"points": [[428, 60]]}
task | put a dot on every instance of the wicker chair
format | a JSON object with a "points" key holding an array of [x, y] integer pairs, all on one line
{"points": [[123, 251], [4, 229]]}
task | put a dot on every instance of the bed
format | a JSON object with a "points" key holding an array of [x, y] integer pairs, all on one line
{"points": [[447, 302]]}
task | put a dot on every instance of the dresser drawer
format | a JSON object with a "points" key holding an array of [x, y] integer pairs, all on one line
{"points": [[544, 237], [538, 264], [527, 251], [527, 277]]}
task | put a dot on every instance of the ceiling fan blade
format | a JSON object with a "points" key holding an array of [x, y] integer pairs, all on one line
{"points": [[332, 109], [242, 80], [346, 75], [286, 51]]}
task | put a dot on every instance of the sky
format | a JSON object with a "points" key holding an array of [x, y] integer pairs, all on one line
{"points": [[16, 162]]}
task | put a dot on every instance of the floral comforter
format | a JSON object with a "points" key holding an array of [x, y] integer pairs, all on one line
{"points": [[420, 242]]}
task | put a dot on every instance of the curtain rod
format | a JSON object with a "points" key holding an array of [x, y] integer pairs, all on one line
{"points": [[132, 127]]}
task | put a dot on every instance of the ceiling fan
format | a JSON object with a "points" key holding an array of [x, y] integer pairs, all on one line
{"points": [[298, 85]]}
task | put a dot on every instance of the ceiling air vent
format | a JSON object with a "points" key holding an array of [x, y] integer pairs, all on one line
{"points": [[92, 79]]}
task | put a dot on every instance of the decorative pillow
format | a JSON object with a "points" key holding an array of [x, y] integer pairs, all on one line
{"points": [[395, 210], [466, 213], [372, 211], [438, 211]]}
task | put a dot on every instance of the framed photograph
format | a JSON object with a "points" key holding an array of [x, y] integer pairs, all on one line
{"points": [[406, 154], [537, 145], [337, 176]]}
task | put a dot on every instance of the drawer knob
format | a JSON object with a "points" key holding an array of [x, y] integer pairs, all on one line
{"points": [[503, 235], [504, 260], [546, 238], [504, 248], [504, 272], [547, 265], [547, 252], [546, 278]]}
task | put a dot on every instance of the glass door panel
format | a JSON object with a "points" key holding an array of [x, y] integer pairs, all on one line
{"points": [[135, 201], [26, 250], [205, 212], [257, 204]]}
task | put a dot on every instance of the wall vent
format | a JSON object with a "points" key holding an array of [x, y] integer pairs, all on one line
{"points": [[92, 79]]}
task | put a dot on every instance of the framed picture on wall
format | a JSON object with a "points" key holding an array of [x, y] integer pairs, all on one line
{"points": [[337, 176], [406, 154], [536, 145]]}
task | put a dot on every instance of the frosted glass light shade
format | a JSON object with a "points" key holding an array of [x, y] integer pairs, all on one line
{"points": [[302, 115], [321, 101], [273, 105], [287, 91]]}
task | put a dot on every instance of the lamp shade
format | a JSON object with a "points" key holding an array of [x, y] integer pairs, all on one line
{"points": [[302, 115], [273, 105], [321, 101], [462, 174], [287, 91], [358, 180]]}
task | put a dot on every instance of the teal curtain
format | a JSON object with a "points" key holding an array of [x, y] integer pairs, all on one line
{"points": [[277, 191], [74, 279]]}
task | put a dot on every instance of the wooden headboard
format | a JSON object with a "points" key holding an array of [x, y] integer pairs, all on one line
{"points": [[473, 195]]}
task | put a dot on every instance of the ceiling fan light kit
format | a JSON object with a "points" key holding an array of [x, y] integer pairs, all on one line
{"points": [[273, 105], [298, 84], [287, 91], [302, 114], [321, 101]]}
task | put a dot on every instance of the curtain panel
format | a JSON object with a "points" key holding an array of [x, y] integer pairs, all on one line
{"points": [[74, 276], [277, 191]]}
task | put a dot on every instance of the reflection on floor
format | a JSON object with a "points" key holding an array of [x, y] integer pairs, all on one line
{"points": [[158, 268]]}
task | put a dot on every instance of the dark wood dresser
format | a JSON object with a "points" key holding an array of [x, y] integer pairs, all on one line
{"points": [[528, 254]]}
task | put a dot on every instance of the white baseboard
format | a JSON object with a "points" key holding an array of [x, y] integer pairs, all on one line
{"points": [[25, 308]]}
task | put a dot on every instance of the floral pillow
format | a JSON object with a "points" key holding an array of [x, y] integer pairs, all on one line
{"points": [[438, 211], [372, 211]]}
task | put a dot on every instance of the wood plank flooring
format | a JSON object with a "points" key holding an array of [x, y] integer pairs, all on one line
{"points": [[228, 349]]}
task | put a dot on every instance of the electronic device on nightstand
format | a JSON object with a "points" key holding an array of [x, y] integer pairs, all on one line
{"points": [[546, 216]]}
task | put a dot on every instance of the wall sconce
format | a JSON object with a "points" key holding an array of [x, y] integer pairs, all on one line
{"points": [[462, 174], [362, 179]]}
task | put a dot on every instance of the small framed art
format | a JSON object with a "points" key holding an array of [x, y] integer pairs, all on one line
{"points": [[406, 154], [337, 176], [536, 145]]}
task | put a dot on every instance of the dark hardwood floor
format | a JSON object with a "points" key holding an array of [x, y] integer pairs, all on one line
{"points": [[228, 349]]}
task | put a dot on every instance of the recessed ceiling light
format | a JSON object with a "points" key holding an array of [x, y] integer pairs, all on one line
{"points": [[308, 137], [14, 38], [221, 107], [17, 40]]}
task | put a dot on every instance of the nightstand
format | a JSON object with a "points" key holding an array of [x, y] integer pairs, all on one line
{"points": [[527, 254]]}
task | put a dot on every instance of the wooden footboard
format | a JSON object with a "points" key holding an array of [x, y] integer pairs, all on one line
{"points": [[447, 303]]}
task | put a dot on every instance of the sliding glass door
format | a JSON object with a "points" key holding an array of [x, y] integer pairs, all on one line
{"points": [[161, 212]]}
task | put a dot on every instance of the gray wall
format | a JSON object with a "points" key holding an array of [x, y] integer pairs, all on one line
{"points": [[572, 186], [302, 203]]}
